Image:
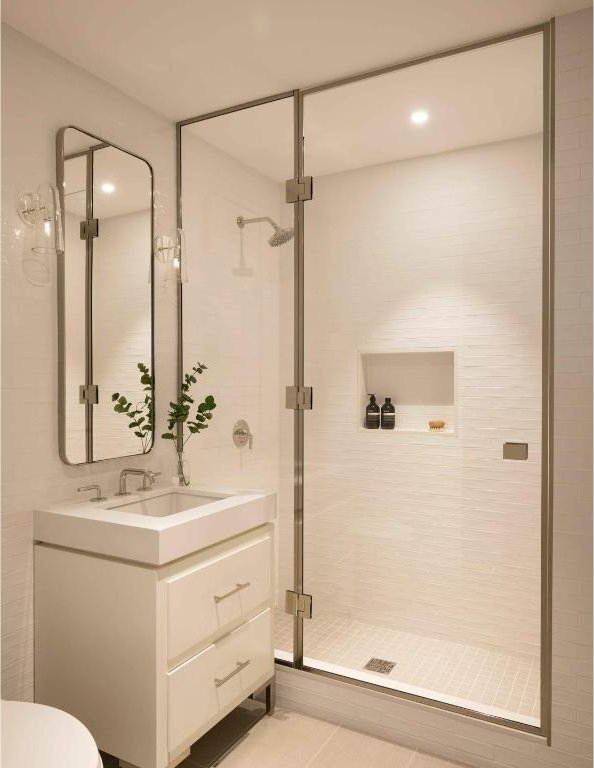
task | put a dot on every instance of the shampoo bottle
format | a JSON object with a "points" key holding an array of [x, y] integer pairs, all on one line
{"points": [[372, 414], [388, 414]]}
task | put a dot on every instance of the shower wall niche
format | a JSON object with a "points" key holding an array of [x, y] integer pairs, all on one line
{"points": [[421, 383]]}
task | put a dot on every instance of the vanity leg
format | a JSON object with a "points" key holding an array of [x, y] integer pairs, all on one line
{"points": [[270, 698]]}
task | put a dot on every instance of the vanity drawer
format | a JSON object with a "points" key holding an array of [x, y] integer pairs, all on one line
{"points": [[215, 594], [219, 677]]}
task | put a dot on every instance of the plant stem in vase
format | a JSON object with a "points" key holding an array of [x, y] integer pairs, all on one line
{"points": [[180, 415], [183, 470]]}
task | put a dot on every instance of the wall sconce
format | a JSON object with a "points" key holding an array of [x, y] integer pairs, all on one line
{"points": [[41, 213], [171, 250]]}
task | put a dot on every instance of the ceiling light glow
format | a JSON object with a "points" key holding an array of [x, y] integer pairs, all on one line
{"points": [[419, 116], [108, 187]]}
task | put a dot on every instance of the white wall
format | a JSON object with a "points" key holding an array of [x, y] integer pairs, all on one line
{"points": [[42, 92], [428, 533], [453, 736], [231, 311]]}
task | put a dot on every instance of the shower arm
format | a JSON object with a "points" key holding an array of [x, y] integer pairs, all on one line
{"points": [[241, 222]]}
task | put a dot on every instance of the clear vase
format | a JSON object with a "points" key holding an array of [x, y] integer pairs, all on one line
{"points": [[182, 470]]}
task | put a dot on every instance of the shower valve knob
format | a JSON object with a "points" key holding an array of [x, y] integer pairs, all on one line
{"points": [[242, 434]]}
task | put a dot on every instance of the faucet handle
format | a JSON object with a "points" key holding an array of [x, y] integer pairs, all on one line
{"points": [[150, 476], [96, 488]]}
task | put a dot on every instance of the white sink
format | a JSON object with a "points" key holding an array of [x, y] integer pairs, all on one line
{"points": [[167, 504], [154, 527]]}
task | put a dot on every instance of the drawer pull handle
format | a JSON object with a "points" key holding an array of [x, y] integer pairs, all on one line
{"points": [[238, 588], [240, 665]]}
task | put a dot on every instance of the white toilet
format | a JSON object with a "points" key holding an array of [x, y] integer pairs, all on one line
{"points": [[34, 735]]}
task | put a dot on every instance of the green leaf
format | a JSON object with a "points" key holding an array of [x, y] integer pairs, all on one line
{"points": [[139, 434], [168, 436], [115, 396]]}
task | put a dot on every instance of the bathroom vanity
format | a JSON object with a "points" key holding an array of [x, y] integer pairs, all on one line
{"points": [[153, 615]]}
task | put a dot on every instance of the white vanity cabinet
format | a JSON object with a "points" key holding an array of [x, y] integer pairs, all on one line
{"points": [[150, 657]]}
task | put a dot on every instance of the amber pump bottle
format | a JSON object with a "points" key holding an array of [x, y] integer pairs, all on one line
{"points": [[372, 414], [388, 414]]}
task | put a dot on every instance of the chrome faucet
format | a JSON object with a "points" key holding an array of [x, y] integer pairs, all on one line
{"points": [[149, 477], [146, 474]]}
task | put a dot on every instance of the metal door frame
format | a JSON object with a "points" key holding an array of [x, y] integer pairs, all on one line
{"points": [[547, 29]]}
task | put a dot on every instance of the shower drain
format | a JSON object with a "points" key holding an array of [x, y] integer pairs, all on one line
{"points": [[382, 666]]}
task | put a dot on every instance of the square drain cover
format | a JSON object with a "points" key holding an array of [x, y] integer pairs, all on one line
{"points": [[380, 665]]}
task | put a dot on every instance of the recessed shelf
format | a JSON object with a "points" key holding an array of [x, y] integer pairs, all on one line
{"points": [[421, 383], [430, 432]]}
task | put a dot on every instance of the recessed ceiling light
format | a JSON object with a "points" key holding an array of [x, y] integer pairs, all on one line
{"points": [[419, 116], [107, 187]]}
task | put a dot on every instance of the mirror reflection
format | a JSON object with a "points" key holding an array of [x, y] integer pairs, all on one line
{"points": [[106, 300]]}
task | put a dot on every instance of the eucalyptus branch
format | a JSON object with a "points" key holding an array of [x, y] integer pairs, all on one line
{"points": [[180, 411], [140, 415]]}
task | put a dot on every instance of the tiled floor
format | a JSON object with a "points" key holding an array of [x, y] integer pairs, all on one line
{"points": [[495, 682], [292, 740]]}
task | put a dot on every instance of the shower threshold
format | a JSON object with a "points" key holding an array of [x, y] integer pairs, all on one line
{"points": [[488, 682]]}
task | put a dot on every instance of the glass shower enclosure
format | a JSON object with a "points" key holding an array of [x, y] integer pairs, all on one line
{"points": [[389, 234]]}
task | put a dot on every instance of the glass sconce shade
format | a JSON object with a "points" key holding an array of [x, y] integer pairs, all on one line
{"points": [[49, 234], [171, 249], [41, 212]]}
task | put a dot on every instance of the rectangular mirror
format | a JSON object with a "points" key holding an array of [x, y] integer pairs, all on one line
{"points": [[105, 300]]}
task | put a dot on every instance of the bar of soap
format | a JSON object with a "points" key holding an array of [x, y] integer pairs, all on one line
{"points": [[436, 424]]}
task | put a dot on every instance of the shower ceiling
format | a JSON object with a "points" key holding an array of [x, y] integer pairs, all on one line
{"points": [[475, 98], [192, 56]]}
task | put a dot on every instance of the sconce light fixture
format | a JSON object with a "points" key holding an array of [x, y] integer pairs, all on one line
{"points": [[171, 250], [41, 213]]}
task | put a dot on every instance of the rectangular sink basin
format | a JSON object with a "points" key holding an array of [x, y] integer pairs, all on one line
{"points": [[153, 527], [167, 504]]}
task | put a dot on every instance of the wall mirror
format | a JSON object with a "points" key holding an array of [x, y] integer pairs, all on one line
{"points": [[105, 300]]}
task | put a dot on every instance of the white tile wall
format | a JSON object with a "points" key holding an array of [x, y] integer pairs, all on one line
{"points": [[431, 534], [231, 310], [478, 744], [42, 92]]}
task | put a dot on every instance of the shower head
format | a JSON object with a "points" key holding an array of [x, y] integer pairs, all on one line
{"points": [[280, 235]]}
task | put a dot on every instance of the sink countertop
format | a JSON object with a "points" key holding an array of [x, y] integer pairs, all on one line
{"points": [[99, 528]]}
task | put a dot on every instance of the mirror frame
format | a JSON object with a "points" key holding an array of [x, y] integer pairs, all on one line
{"points": [[61, 280]]}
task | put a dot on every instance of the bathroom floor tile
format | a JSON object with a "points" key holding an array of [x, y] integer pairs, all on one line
{"points": [[349, 749], [292, 740], [421, 760], [286, 740]]}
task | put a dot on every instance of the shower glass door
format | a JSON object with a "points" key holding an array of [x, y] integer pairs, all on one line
{"points": [[238, 306], [423, 283]]}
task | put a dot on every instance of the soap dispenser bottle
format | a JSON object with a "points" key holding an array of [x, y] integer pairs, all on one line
{"points": [[388, 414], [372, 414]]}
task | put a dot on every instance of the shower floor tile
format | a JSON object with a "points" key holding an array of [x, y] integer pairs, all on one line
{"points": [[492, 682]]}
